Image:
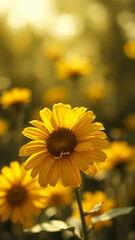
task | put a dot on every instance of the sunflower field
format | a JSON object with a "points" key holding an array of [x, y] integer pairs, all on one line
{"points": [[67, 120]]}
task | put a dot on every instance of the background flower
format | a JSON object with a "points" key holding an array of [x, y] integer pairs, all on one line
{"points": [[89, 201], [20, 196], [15, 96]]}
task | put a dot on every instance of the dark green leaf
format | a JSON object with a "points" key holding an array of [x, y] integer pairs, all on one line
{"points": [[95, 209], [111, 214]]}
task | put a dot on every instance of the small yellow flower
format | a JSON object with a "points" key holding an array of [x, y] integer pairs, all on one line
{"points": [[119, 152], [20, 195], [129, 121], [58, 195], [52, 50], [54, 95], [73, 66], [129, 49], [89, 201], [15, 96], [4, 125], [95, 93], [63, 143]]}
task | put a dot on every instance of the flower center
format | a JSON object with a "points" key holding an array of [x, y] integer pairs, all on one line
{"points": [[16, 195], [56, 199], [61, 142]]}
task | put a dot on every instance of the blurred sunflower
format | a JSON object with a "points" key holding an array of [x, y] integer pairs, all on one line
{"points": [[20, 195], [58, 195], [89, 201], [52, 50], [4, 125], [129, 121], [64, 142], [74, 66], [54, 95], [118, 154], [15, 96], [129, 49], [95, 93]]}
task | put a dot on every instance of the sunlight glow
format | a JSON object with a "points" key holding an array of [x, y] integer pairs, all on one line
{"points": [[39, 13]]}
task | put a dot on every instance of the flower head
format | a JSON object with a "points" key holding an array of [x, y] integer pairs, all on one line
{"points": [[20, 195], [129, 49], [95, 93], [15, 96], [53, 50], [73, 66], [4, 125], [129, 121], [63, 143], [58, 195], [89, 201], [119, 152]]}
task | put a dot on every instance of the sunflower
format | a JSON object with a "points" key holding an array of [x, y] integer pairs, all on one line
{"points": [[58, 195], [20, 195], [129, 121], [4, 125], [89, 201], [119, 154], [64, 142], [73, 66], [15, 96], [129, 49]]}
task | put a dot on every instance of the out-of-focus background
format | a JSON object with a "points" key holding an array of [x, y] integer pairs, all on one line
{"points": [[76, 52]]}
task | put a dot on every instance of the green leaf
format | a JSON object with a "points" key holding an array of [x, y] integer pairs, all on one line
{"points": [[52, 226], [111, 214], [95, 209]]}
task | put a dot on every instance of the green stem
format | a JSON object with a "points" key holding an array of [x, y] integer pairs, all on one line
{"points": [[77, 191]]}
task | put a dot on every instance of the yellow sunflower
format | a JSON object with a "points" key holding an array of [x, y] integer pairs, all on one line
{"points": [[129, 121], [15, 96], [73, 66], [58, 195], [89, 201], [4, 125], [20, 195], [64, 142], [119, 153], [129, 49]]}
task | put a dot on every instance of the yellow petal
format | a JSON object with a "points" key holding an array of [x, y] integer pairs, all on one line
{"points": [[34, 133], [77, 114], [98, 134], [54, 172], [32, 147], [69, 174], [35, 159], [99, 143], [62, 114], [41, 126], [47, 117], [6, 171], [37, 169], [42, 175], [81, 160], [97, 155], [4, 182], [17, 170], [92, 170], [82, 146], [15, 215], [6, 213]]}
